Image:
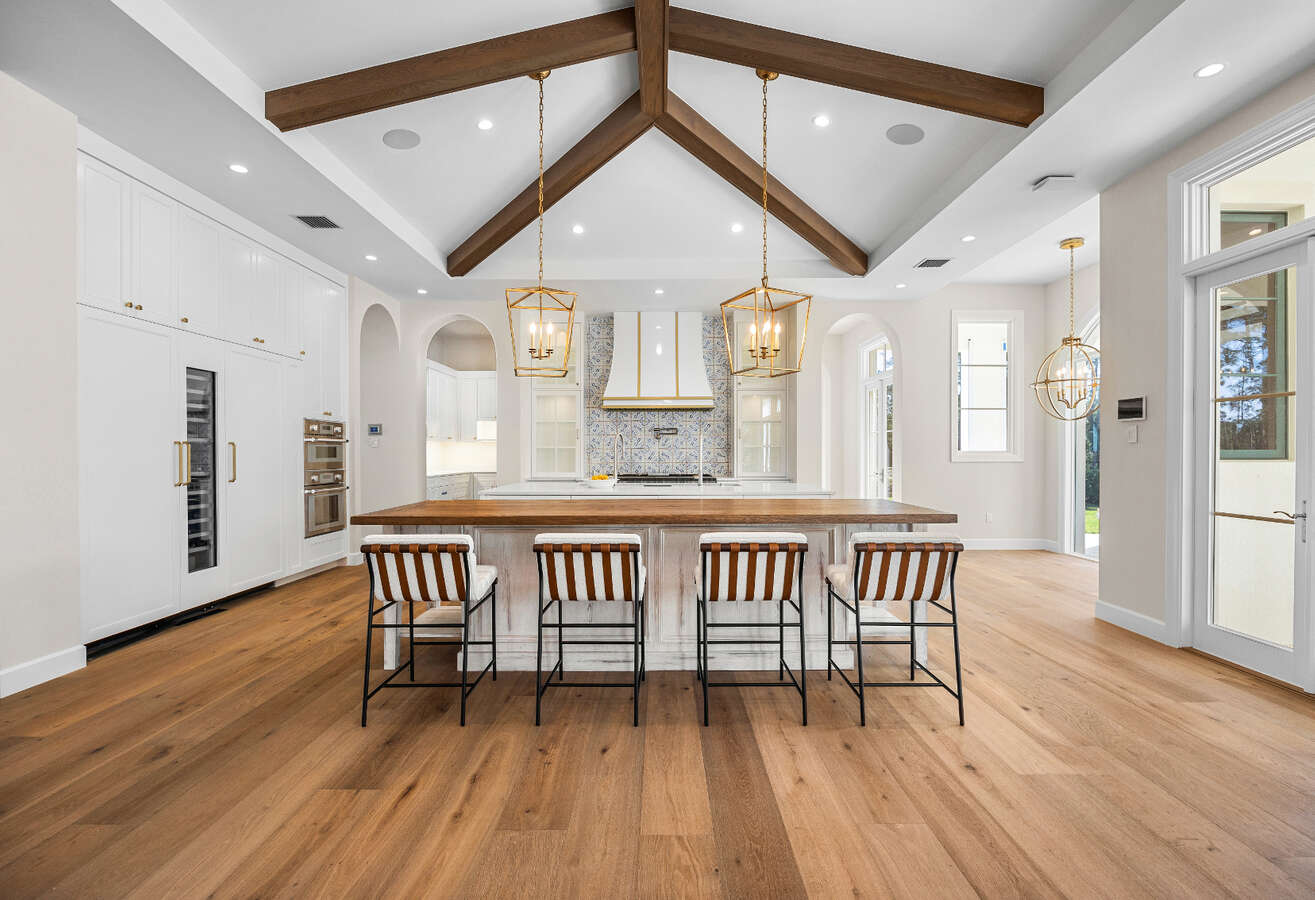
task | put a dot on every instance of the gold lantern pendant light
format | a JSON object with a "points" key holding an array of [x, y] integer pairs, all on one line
{"points": [[1068, 380], [766, 343], [541, 346]]}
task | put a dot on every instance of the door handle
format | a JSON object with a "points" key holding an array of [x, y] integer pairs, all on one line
{"points": [[1296, 517], [178, 448], [232, 473], [188, 445]]}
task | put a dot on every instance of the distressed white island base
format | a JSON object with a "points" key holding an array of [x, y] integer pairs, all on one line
{"points": [[504, 530]]}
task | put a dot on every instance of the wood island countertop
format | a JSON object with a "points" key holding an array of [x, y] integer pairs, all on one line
{"points": [[711, 511]]}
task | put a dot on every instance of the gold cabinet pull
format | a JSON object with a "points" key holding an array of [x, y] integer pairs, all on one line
{"points": [[303, 353], [128, 303], [188, 445], [138, 306], [178, 448], [232, 473], [183, 320]]}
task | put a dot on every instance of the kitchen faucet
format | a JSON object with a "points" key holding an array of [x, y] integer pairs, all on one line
{"points": [[618, 440]]}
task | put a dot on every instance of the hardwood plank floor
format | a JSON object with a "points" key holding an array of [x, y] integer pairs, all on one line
{"points": [[225, 758]]}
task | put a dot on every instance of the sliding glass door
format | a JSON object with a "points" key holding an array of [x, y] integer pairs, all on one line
{"points": [[1254, 409]]}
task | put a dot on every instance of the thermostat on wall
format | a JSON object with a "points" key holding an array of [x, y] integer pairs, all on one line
{"points": [[375, 429], [1132, 409]]}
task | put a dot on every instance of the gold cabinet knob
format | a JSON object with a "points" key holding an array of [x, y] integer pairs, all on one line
{"points": [[138, 306], [128, 303], [303, 353], [256, 340], [183, 320]]}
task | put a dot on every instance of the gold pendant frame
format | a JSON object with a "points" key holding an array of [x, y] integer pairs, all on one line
{"points": [[549, 304], [768, 305]]}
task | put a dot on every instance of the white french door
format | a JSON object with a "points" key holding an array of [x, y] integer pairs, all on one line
{"points": [[879, 437], [1254, 441]]}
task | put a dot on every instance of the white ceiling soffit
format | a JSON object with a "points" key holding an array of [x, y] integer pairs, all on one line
{"points": [[1038, 259], [1125, 96]]}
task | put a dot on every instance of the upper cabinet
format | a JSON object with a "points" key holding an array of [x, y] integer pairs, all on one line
{"points": [[198, 272], [322, 336], [153, 242], [102, 235]]}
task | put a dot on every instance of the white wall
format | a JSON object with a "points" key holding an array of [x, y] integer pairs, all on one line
{"points": [[1134, 274], [463, 351], [40, 628], [1011, 492]]}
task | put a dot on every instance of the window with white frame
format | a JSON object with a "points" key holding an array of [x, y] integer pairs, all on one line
{"points": [[761, 426], [987, 418], [556, 411]]}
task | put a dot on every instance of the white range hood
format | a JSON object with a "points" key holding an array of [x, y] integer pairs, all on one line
{"points": [[657, 362]]}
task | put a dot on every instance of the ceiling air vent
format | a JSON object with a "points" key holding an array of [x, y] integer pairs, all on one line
{"points": [[316, 221], [931, 263]]}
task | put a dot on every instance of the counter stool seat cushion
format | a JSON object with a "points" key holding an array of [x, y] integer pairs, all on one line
{"points": [[924, 571]]}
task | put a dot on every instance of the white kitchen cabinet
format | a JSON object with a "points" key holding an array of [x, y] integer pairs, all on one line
{"points": [[467, 398], [129, 461], [237, 283], [102, 234], [333, 356], [198, 272], [267, 301], [253, 408], [442, 398], [486, 401], [293, 283], [154, 253]]}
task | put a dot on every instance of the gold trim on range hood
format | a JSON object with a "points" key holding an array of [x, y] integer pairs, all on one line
{"points": [[621, 375]]}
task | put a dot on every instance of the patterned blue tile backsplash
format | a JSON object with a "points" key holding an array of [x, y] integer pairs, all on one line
{"points": [[643, 452]]}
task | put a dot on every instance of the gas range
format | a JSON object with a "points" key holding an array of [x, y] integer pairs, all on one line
{"points": [[676, 478]]}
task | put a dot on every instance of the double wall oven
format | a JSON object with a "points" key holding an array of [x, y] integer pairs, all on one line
{"points": [[324, 462]]}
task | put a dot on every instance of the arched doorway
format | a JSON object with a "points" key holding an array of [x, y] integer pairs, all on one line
{"points": [[461, 410], [860, 446]]}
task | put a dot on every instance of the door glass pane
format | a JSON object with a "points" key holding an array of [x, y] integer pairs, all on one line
{"points": [[1255, 464], [202, 546], [1273, 193], [983, 430]]}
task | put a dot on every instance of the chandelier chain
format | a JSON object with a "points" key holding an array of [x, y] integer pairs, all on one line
{"points": [[1071, 328], [540, 183], [765, 182]]}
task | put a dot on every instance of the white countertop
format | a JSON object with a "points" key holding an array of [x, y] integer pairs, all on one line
{"points": [[440, 472], [663, 491]]}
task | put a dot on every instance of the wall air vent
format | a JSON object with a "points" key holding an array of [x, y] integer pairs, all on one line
{"points": [[932, 263], [316, 221]]}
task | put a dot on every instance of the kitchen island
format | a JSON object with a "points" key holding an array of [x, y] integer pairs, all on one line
{"points": [[503, 532]]}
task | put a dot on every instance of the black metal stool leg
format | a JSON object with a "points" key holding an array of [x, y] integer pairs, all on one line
{"points": [[561, 643], [493, 625], [703, 655], [913, 637], [830, 634], [958, 674], [411, 636], [803, 652], [538, 662], [643, 631], [858, 654], [465, 656], [634, 630], [369, 635], [780, 643]]}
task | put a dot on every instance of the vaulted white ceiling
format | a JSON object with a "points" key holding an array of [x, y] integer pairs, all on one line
{"points": [[653, 214]]}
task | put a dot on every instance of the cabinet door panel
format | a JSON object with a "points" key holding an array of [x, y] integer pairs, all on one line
{"points": [[334, 351], [292, 281], [486, 406], [102, 234], [312, 340], [236, 287], [267, 301], [130, 415], [198, 273], [154, 249], [254, 415], [467, 400]]}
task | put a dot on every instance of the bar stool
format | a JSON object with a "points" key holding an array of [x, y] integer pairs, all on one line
{"points": [[752, 566], [893, 567], [589, 567], [438, 570]]}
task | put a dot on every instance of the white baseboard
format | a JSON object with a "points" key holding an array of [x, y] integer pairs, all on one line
{"points": [[1009, 544], [356, 559], [35, 671], [1133, 621]]}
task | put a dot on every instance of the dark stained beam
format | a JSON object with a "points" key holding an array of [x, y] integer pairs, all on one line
{"points": [[693, 132], [859, 69], [651, 42], [455, 69], [612, 135]]}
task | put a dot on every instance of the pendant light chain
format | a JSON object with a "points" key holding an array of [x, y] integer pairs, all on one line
{"points": [[540, 183], [765, 182], [1071, 252]]}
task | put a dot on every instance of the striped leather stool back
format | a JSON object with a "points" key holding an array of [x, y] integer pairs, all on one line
{"points": [[590, 566], [902, 566], [434, 568], [751, 565]]}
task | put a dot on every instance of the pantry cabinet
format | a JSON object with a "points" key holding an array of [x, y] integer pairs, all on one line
{"points": [[200, 352]]}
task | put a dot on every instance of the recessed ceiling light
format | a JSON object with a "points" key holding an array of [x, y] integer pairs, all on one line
{"points": [[238, 168], [421, 291], [821, 120], [401, 139], [736, 227], [901, 285], [1209, 71], [658, 291], [1255, 231], [905, 134], [968, 238], [484, 124], [577, 228]]}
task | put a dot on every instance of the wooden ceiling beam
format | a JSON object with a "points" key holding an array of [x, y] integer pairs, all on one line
{"points": [[693, 132], [857, 68], [455, 69], [612, 135], [651, 42]]}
